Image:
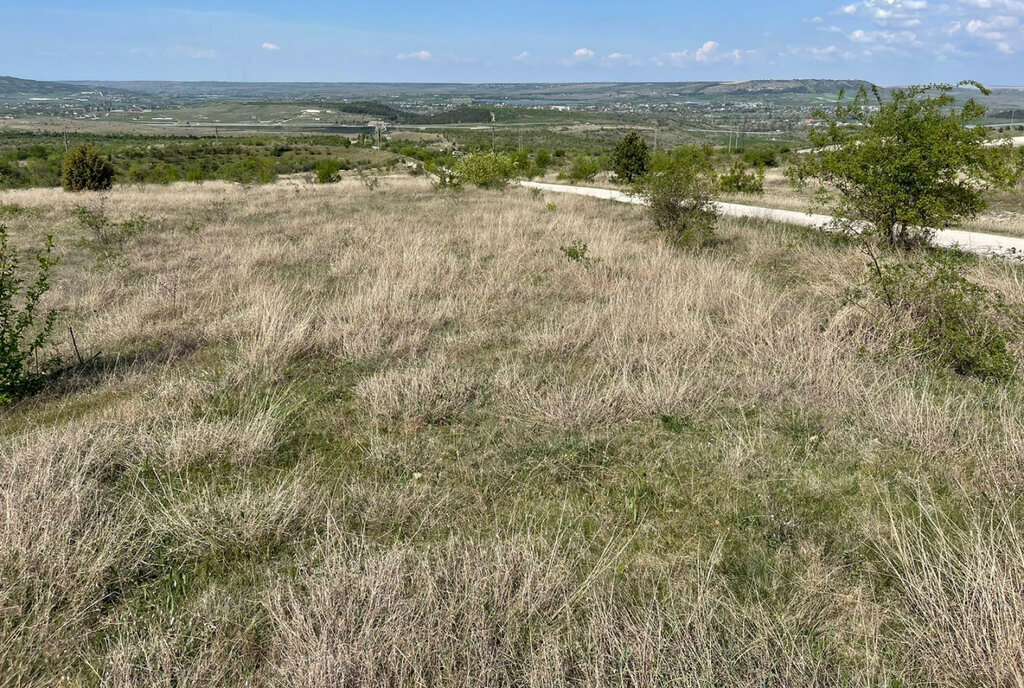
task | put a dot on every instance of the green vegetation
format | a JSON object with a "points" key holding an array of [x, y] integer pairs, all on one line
{"points": [[584, 168], [485, 170], [25, 329], [933, 310], [911, 164], [631, 158], [742, 179], [84, 169], [32, 160], [678, 193]]}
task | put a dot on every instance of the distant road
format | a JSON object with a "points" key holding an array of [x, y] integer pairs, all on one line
{"points": [[975, 242]]}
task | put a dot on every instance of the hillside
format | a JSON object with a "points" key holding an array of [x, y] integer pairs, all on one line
{"points": [[374, 434], [12, 86]]}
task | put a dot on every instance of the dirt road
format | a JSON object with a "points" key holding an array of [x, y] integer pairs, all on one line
{"points": [[975, 242]]}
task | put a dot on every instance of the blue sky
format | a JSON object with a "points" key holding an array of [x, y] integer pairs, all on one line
{"points": [[886, 41]]}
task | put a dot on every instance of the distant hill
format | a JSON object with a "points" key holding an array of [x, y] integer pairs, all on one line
{"points": [[783, 86], [12, 86]]}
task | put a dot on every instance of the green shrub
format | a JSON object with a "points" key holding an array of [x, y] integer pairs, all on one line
{"points": [[760, 157], [678, 196], [938, 313], [741, 179], [485, 170], [583, 169], [24, 329], [579, 252], [631, 158], [84, 169], [542, 159], [327, 171], [250, 170]]}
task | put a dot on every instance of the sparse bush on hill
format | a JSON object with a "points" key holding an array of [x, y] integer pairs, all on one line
{"points": [[937, 312], [584, 168], [760, 157], [485, 170], [84, 169], [743, 180], [24, 329], [327, 171], [910, 164], [631, 158], [678, 195], [250, 170]]}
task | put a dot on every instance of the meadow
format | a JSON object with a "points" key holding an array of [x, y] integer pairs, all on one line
{"points": [[362, 434]]}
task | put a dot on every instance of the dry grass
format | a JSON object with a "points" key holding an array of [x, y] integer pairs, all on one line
{"points": [[336, 436]]}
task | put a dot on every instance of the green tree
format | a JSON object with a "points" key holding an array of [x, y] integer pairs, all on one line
{"points": [[631, 157], [84, 169], [24, 329], [905, 165]]}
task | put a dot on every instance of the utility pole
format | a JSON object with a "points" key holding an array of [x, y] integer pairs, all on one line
{"points": [[66, 145], [492, 139]]}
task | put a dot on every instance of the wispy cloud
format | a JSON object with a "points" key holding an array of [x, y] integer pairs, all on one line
{"points": [[272, 47], [418, 56]]}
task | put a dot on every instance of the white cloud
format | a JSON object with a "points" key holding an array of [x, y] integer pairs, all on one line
{"points": [[522, 57], [584, 54], [192, 53], [272, 47], [418, 56]]}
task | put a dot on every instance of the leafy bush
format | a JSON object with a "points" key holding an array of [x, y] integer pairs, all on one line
{"points": [[760, 157], [485, 170], [583, 169], [678, 196], [250, 170], [84, 169], [443, 175], [939, 313], [631, 158], [741, 179], [542, 159], [579, 252], [108, 238], [327, 171], [911, 163], [24, 329]]}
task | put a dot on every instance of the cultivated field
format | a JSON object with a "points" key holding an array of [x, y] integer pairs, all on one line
{"points": [[334, 435]]}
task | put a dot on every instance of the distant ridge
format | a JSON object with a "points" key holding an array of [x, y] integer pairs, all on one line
{"points": [[13, 86]]}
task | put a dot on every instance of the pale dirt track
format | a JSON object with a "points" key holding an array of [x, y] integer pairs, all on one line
{"points": [[975, 242]]}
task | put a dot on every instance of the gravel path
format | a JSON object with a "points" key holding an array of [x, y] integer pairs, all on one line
{"points": [[975, 242]]}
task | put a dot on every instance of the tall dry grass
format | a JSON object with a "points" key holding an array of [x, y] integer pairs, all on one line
{"points": [[328, 435]]}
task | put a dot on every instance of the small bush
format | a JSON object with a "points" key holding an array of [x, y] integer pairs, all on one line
{"points": [[740, 179], [579, 252], [108, 238], [250, 170], [584, 168], [678, 196], [485, 170], [760, 157], [24, 329], [84, 169], [939, 313], [327, 171], [443, 175]]}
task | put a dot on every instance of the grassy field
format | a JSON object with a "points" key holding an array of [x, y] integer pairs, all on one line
{"points": [[352, 436]]}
